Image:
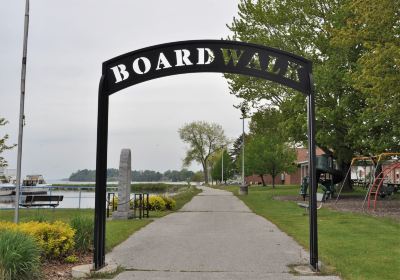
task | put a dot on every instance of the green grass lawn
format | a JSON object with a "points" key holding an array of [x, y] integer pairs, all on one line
{"points": [[116, 230], [358, 246]]}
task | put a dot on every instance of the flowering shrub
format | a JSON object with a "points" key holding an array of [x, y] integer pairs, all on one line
{"points": [[156, 203], [170, 203], [55, 239], [71, 259], [7, 226]]}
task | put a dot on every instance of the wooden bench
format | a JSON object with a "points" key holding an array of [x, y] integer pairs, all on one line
{"points": [[320, 198], [42, 200]]}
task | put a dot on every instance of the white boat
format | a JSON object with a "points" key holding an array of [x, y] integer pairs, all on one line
{"points": [[34, 181], [32, 185]]}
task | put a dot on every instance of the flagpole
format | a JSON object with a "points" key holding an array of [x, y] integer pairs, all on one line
{"points": [[21, 113]]}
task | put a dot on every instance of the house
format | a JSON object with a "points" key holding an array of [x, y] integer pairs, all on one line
{"points": [[294, 178]]}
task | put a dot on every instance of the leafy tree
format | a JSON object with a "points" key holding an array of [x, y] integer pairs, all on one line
{"points": [[343, 40], [186, 175], [203, 139], [3, 145], [228, 167], [198, 176], [146, 176], [84, 175], [236, 153], [267, 154], [373, 27], [268, 121], [178, 176]]}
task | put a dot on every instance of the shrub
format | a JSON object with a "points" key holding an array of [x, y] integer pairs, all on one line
{"points": [[55, 240], [84, 231], [156, 203], [71, 259], [7, 226], [170, 203], [19, 256]]}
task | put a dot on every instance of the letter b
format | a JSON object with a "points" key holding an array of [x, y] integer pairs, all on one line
{"points": [[120, 73]]}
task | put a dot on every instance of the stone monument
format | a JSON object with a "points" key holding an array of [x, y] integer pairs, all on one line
{"points": [[124, 186]]}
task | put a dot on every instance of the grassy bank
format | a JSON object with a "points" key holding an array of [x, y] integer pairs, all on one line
{"points": [[358, 246], [116, 230]]}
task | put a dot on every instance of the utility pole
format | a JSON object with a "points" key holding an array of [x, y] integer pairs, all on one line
{"points": [[244, 189], [21, 113], [222, 169]]}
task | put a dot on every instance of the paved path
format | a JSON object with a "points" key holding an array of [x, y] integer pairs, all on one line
{"points": [[215, 236]]}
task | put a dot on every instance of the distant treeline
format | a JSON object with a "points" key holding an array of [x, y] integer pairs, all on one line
{"points": [[87, 175], [135, 188]]}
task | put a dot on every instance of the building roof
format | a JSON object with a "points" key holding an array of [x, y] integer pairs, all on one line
{"points": [[302, 154]]}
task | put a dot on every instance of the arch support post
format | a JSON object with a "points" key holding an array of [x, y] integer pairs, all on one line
{"points": [[312, 177], [101, 179]]}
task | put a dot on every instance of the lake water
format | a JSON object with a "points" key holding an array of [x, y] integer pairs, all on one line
{"points": [[71, 199], [75, 199]]}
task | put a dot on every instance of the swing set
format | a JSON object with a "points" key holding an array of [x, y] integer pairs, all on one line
{"points": [[379, 176]]}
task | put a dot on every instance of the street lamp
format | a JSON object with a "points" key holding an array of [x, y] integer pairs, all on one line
{"points": [[244, 189]]}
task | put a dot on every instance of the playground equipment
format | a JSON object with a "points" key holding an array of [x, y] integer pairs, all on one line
{"points": [[365, 176], [386, 180], [363, 162], [382, 179], [327, 176]]}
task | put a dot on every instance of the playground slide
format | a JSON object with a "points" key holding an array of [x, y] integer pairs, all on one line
{"points": [[337, 175], [324, 168]]}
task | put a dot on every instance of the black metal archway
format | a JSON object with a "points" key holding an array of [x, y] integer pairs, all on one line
{"points": [[192, 57]]}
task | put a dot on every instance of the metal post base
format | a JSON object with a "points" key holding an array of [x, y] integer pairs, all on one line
{"points": [[314, 266], [244, 190]]}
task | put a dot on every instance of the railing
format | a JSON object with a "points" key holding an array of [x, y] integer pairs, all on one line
{"points": [[138, 202]]}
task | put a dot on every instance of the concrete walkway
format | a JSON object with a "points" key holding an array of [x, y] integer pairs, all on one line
{"points": [[215, 236]]}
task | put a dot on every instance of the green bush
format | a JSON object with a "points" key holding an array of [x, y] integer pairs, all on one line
{"points": [[55, 239], [71, 259], [170, 203], [19, 256], [84, 231], [156, 203]]}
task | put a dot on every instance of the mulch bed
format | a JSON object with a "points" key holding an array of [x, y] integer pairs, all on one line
{"points": [[62, 271], [386, 207]]}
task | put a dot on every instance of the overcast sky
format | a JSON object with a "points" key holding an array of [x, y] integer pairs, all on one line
{"points": [[68, 41]]}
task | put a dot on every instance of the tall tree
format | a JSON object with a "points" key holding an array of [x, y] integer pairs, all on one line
{"points": [[228, 167], [203, 139], [3, 145], [311, 29], [198, 176], [267, 154], [373, 27]]}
